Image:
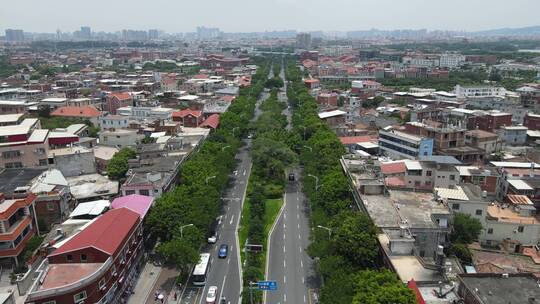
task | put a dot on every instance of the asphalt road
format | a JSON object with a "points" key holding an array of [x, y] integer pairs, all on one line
{"points": [[288, 262], [226, 273]]}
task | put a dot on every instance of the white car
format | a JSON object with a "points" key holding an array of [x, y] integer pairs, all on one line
{"points": [[212, 239], [211, 295]]}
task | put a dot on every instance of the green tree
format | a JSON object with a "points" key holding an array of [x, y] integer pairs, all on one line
{"points": [[466, 229], [118, 165], [381, 287], [355, 239], [461, 251], [179, 253]]}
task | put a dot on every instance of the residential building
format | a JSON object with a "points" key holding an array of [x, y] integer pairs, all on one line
{"points": [[514, 135], [532, 121], [489, 121], [303, 41], [487, 141], [73, 161], [120, 138], [89, 113], [443, 136], [94, 266], [479, 91], [103, 155], [188, 118], [18, 224], [113, 101], [398, 145], [14, 35], [333, 118], [134, 202], [145, 113], [498, 288], [23, 147], [108, 122], [451, 60], [52, 203], [327, 100], [89, 187]]}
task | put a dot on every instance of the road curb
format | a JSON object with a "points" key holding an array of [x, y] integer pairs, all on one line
{"points": [[269, 238]]}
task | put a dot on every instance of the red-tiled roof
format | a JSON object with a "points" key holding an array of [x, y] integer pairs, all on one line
{"points": [[212, 121], [106, 233], [121, 95], [349, 140], [311, 80], [84, 111], [186, 112], [393, 168]]}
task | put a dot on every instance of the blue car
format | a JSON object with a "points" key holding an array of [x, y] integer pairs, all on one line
{"points": [[223, 250]]}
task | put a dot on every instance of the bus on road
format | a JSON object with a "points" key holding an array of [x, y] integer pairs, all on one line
{"points": [[201, 269]]}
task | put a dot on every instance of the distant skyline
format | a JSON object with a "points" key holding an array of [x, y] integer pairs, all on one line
{"points": [[259, 16]]}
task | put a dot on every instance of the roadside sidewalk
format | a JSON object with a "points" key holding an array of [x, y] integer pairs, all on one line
{"points": [[145, 283]]}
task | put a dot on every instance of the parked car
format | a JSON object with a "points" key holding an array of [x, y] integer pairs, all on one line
{"points": [[212, 239], [223, 300], [211, 295], [223, 251], [291, 177]]}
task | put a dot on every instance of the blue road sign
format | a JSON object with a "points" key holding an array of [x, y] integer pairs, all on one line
{"points": [[267, 285]]}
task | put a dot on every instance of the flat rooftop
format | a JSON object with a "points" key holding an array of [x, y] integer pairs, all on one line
{"points": [[11, 179], [508, 215], [59, 275], [494, 289], [414, 207]]}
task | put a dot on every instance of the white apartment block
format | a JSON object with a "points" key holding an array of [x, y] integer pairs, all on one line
{"points": [[479, 91]]}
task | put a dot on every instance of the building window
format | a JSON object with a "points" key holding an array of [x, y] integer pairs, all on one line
{"points": [[69, 258], [490, 231], [50, 206], [81, 296], [478, 212], [102, 283], [521, 228], [452, 177], [129, 192], [455, 206], [144, 192], [83, 257], [428, 173], [43, 162]]}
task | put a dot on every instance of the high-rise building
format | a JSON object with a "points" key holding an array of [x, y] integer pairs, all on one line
{"points": [[205, 33], [86, 32], [153, 34], [14, 35], [303, 40]]}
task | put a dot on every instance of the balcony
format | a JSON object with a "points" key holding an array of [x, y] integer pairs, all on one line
{"points": [[12, 252]]}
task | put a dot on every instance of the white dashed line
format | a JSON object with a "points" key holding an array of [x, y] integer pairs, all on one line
{"points": [[301, 264]]}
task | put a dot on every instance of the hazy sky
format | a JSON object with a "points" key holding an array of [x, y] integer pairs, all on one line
{"points": [[261, 15]]}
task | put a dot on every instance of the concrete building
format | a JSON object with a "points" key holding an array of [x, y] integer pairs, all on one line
{"points": [[113, 101], [303, 41], [498, 288], [479, 91], [451, 60], [108, 122], [52, 203], [94, 266], [73, 161], [120, 138], [487, 141], [532, 121], [398, 145], [513, 135], [23, 147]]}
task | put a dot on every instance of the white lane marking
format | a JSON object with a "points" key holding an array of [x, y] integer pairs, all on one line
{"points": [[285, 215], [284, 279], [304, 298], [303, 280], [228, 261], [297, 216], [283, 248], [299, 237], [232, 219], [300, 249], [244, 172], [283, 235], [298, 225], [222, 285], [284, 264], [301, 264], [212, 260], [284, 298]]}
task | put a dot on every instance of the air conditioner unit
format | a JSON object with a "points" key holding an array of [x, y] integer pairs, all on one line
{"points": [[115, 274]]}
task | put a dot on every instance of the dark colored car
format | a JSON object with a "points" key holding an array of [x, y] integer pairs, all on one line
{"points": [[223, 251], [291, 177]]}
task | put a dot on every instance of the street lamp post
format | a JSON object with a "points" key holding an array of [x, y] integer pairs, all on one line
{"points": [[327, 229], [209, 178], [310, 148], [227, 146], [316, 181], [233, 130], [182, 230], [304, 132]]}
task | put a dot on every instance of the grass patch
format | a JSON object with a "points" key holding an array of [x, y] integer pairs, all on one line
{"points": [[271, 212], [243, 229]]}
